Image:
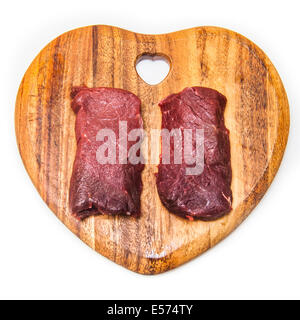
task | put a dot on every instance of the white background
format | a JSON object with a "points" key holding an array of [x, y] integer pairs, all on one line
{"points": [[40, 258]]}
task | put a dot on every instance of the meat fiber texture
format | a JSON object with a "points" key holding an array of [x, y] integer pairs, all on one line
{"points": [[206, 196], [103, 188]]}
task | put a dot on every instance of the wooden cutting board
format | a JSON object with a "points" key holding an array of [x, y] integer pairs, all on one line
{"points": [[257, 115]]}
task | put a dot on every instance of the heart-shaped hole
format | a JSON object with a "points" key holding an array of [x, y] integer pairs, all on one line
{"points": [[153, 69]]}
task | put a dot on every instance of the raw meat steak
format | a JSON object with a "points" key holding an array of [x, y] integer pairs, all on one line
{"points": [[206, 196], [106, 188]]}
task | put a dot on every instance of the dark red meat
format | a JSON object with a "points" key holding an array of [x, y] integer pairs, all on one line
{"points": [[103, 188], [206, 196]]}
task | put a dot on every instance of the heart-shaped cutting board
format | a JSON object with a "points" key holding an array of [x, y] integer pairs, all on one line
{"points": [[257, 115]]}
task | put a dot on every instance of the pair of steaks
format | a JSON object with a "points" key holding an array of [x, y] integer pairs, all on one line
{"points": [[114, 186]]}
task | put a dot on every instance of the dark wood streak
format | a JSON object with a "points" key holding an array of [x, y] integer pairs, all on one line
{"points": [[241, 112], [202, 36], [53, 108], [39, 116], [95, 53]]}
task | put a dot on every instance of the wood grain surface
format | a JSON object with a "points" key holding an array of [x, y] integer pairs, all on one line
{"points": [[257, 115]]}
